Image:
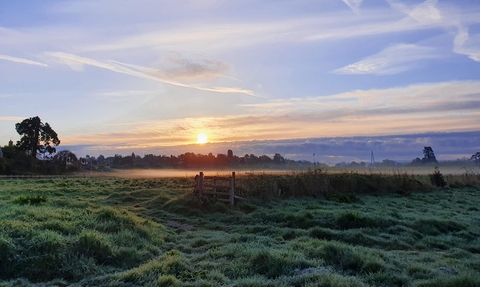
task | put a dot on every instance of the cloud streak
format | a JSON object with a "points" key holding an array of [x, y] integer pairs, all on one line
{"points": [[189, 69], [21, 60], [464, 44], [353, 4], [426, 12], [11, 119], [429, 12], [392, 60], [76, 63]]}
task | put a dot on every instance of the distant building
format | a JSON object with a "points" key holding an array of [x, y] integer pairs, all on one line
{"points": [[1, 153], [10, 143]]}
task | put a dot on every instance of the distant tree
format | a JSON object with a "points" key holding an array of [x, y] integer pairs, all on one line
{"points": [[388, 162], [3, 165], [37, 137], [428, 155], [65, 158], [222, 160], [416, 161], [117, 159], [100, 159], [353, 164], [278, 159], [264, 159], [476, 157]]}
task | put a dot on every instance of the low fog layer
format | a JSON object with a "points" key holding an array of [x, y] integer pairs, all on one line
{"points": [[181, 173]]}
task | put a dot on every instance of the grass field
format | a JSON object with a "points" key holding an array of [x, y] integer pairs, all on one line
{"points": [[155, 232]]}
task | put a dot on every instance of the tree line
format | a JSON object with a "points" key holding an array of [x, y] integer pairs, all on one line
{"points": [[36, 152], [190, 160]]}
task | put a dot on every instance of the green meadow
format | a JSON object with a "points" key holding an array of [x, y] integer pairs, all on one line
{"points": [[304, 229]]}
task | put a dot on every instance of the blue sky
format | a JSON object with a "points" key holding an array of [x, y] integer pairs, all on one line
{"points": [[149, 76]]}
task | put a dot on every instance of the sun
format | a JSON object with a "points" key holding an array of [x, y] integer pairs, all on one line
{"points": [[202, 138]]}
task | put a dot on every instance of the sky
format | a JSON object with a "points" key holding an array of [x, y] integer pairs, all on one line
{"points": [[338, 78]]}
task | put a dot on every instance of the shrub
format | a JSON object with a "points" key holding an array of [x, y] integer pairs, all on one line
{"points": [[351, 220], [94, 244], [7, 250], [343, 198], [342, 256], [436, 178], [467, 280], [174, 264], [322, 233], [270, 264], [167, 281], [30, 199]]}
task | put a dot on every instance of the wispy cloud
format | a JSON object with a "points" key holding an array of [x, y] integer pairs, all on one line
{"points": [[450, 106], [217, 35], [367, 25], [426, 12], [76, 63], [21, 60], [425, 16], [392, 60], [12, 119], [429, 12], [465, 44], [438, 106], [353, 4], [212, 36], [182, 68]]}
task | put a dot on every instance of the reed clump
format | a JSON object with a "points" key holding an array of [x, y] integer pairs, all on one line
{"points": [[342, 187]]}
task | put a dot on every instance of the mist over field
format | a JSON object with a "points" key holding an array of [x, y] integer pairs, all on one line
{"points": [[191, 173]]}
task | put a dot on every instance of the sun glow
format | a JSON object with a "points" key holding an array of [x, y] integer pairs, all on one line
{"points": [[202, 138]]}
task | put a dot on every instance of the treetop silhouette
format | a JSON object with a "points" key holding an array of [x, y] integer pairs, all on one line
{"points": [[37, 137]]}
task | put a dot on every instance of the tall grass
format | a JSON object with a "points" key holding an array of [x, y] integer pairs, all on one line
{"points": [[324, 184]]}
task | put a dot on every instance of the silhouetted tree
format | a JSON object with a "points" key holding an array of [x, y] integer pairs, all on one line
{"points": [[428, 155], [3, 165], [264, 159], [222, 160], [65, 158], [476, 157], [37, 137], [278, 159], [100, 159], [388, 162], [117, 160]]}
